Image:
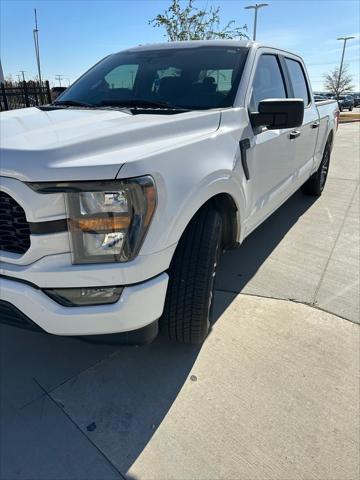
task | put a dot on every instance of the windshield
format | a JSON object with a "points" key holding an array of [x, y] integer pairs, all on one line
{"points": [[188, 78]]}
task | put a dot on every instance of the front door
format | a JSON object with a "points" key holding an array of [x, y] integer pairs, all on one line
{"points": [[270, 157]]}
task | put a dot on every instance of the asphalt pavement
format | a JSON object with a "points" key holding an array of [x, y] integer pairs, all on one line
{"points": [[272, 394]]}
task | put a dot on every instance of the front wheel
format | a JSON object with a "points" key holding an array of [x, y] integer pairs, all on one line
{"points": [[186, 317], [316, 183]]}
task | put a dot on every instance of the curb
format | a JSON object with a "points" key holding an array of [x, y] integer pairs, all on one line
{"points": [[350, 120]]}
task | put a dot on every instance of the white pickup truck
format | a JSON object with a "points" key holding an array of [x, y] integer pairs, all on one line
{"points": [[117, 199]]}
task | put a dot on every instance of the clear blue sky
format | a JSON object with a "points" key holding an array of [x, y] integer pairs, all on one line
{"points": [[76, 34]]}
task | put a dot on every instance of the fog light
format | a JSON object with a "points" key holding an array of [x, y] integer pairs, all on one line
{"points": [[81, 297]]}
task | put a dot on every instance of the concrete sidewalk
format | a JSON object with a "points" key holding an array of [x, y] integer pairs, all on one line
{"points": [[272, 394], [308, 251]]}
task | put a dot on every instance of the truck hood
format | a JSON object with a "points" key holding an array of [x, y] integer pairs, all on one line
{"points": [[75, 144]]}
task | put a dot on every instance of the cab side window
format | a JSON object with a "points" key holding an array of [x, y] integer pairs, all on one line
{"points": [[268, 81], [298, 80]]}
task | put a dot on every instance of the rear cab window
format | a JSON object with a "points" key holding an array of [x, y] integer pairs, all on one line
{"points": [[298, 80], [121, 77]]}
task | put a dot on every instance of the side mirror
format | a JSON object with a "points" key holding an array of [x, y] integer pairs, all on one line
{"points": [[279, 113]]}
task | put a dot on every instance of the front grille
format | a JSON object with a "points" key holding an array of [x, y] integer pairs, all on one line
{"points": [[14, 228]]}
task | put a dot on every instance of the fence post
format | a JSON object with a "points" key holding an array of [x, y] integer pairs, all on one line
{"points": [[48, 92], [3, 94], [36, 94], [27, 103], [38, 86]]}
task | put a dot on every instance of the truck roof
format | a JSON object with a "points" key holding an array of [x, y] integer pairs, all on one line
{"points": [[193, 44], [205, 43]]}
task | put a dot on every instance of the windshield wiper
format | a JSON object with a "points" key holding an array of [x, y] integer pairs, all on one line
{"points": [[138, 103], [72, 103], [75, 103]]}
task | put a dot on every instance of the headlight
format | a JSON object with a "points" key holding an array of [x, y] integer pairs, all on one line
{"points": [[108, 221]]}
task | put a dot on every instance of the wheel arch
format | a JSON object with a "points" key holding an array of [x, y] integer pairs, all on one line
{"points": [[330, 139], [226, 205]]}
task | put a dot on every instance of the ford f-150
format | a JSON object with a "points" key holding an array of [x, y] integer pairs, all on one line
{"points": [[118, 198]]}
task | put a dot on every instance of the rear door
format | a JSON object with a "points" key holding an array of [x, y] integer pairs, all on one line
{"points": [[304, 137]]}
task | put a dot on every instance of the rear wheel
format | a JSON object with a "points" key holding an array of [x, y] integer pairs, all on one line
{"points": [[350, 109], [186, 317], [316, 183]]}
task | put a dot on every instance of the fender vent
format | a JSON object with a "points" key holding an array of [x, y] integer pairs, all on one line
{"points": [[14, 228]]}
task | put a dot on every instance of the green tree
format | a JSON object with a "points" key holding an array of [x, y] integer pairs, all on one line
{"points": [[192, 23], [336, 86]]}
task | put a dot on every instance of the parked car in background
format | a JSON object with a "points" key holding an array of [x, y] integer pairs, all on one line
{"points": [[319, 98], [118, 199], [346, 102], [356, 97]]}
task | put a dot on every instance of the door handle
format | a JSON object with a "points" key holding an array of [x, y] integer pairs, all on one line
{"points": [[315, 125], [294, 134]]}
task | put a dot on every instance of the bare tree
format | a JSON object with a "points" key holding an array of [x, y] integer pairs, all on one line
{"points": [[337, 85], [192, 23]]}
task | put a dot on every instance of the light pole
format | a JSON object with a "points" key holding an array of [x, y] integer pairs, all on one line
{"points": [[345, 39], [256, 8], [37, 47]]}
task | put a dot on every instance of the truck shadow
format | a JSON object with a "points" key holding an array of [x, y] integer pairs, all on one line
{"points": [[124, 393], [239, 266]]}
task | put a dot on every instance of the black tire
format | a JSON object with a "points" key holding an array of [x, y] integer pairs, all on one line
{"points": [[316, 183], [350, 109], [187, 311]]}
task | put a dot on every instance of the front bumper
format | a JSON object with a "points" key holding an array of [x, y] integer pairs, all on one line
{"points": [[138, 306]]}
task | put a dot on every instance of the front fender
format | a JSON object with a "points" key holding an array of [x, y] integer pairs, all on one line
{"points": [[177, 206], [218, 183], [187, 174]]}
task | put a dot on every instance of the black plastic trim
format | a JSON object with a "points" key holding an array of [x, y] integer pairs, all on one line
{"points": [[44, 228], [244, 146], [286, 76]]}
